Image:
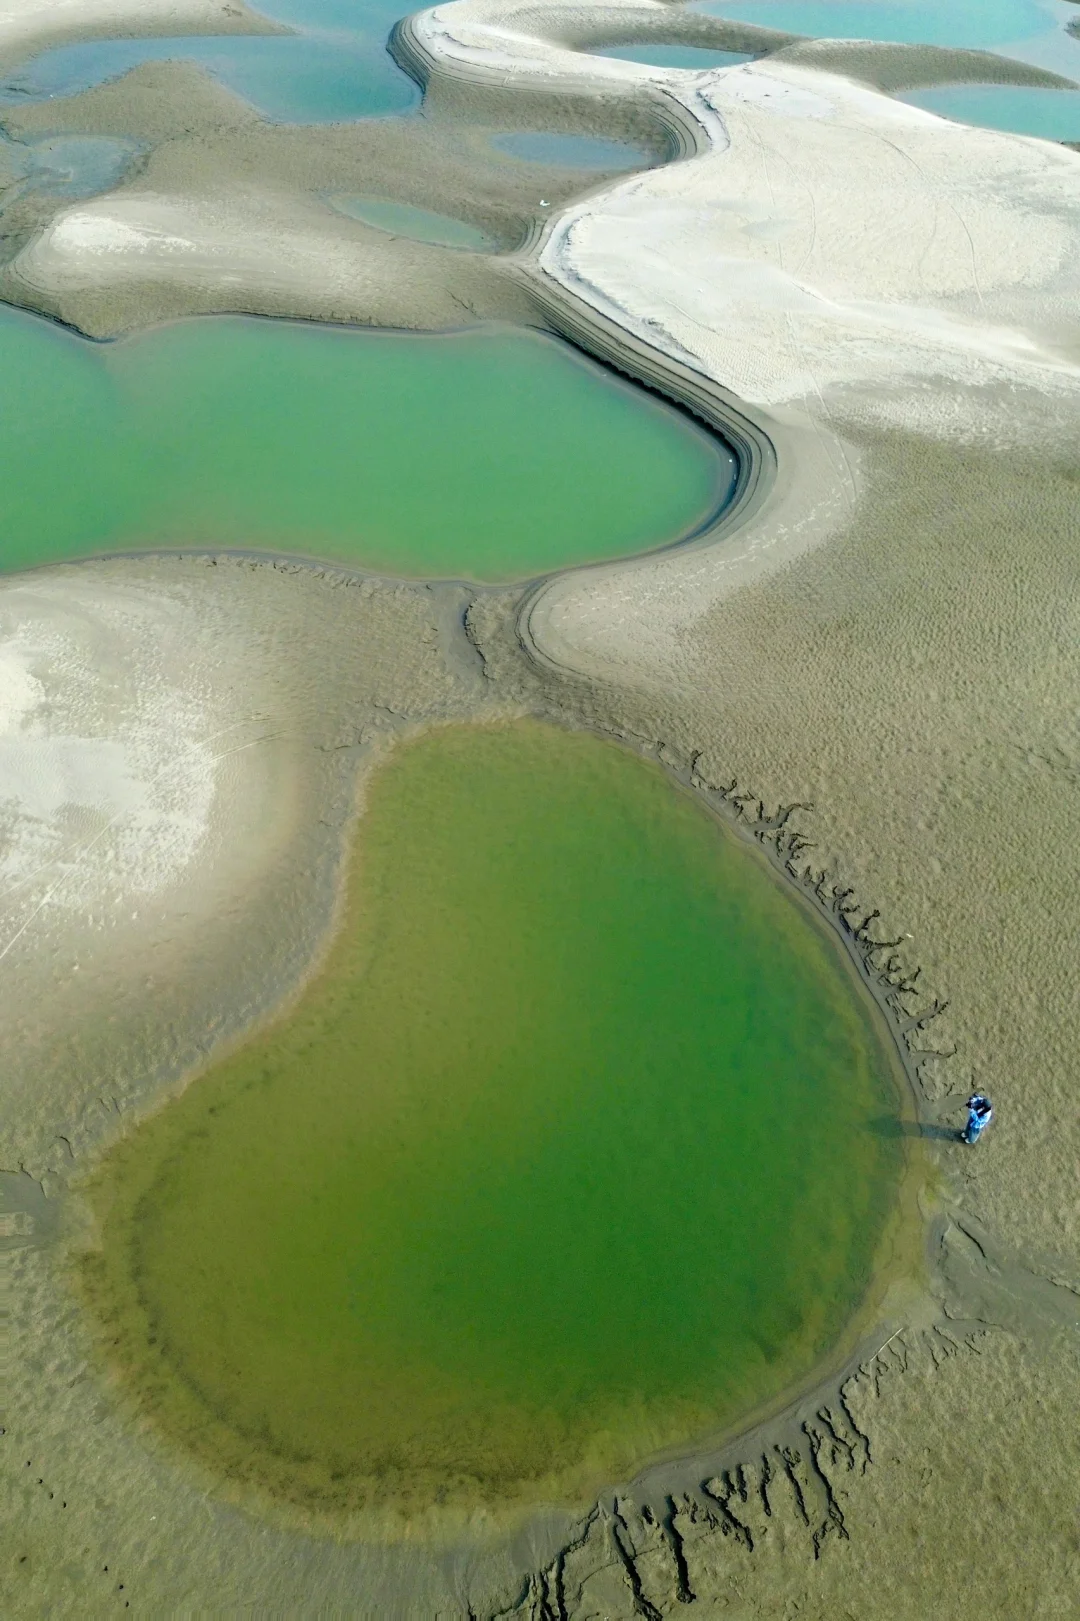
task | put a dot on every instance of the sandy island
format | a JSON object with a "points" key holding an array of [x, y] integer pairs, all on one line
{"points": [[880, 307]]}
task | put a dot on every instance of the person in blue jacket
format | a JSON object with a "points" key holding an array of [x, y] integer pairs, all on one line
{"points": [[980, 1113]]}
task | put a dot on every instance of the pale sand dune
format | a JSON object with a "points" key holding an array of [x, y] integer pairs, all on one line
{"points": [[230, 212], [96, 729], [139, 256], [824, 244], [833, 238], [144, 784]]}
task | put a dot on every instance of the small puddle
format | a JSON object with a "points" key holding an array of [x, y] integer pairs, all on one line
{"points": [[1021, 109], [674, 56], [581, 1144], [571, 151], [419, 224], [490, 454]]}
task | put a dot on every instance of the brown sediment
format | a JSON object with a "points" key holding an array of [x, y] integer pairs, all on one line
{"points": [[590, 28], [233, 172]]}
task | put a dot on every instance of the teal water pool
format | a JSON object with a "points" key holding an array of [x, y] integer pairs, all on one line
{"points": [[489, 454], [570, 151], [1023, 109]]}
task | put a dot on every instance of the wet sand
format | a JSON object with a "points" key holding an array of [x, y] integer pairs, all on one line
{"points": [[884, 634]]}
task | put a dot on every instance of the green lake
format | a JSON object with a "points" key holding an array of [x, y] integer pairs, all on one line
{"points": [[489, 454], [580, 1144]]}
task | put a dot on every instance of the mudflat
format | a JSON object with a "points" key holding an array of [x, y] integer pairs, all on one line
{"points": [[867, 668]]}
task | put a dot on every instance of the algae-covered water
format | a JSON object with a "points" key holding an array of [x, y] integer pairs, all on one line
{"points": [[490, 455], [576, 1147]]}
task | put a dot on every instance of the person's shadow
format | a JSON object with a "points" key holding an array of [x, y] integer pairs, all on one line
{"points": [[888, 1126]]}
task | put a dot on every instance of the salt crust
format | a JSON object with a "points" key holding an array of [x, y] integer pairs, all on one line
{"points": [[108, 760]]}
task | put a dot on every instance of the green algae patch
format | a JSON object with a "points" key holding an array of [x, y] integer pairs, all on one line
{"points": [[484, 455], [575, 1148]]}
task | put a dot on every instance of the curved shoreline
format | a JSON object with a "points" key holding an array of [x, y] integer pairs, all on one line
{"points": [[478, 52], [693, 131], [896, 1242], [719, 459], [822, 1447]]}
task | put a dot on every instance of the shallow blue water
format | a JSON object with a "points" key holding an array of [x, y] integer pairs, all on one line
{"points": [[405, 219], [674, 56], [572, 151], [1027, 30], [337, 68], [1026, 110], [298, 79], [64, 165]]}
